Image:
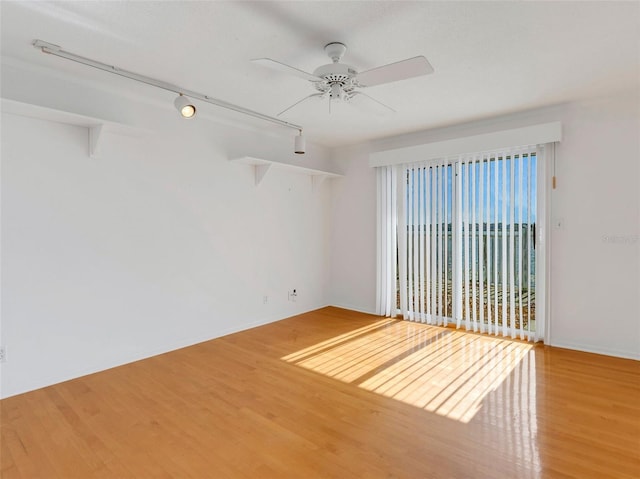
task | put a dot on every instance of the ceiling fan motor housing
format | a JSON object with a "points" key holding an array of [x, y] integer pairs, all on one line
{"points": [[335, 74]]}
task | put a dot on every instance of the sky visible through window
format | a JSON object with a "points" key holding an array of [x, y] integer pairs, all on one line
{"points": [[490, 187], [485, 212]]}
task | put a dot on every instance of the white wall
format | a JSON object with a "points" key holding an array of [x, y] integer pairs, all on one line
{"points": [[595, 256], [353, 233], [159, 243]]}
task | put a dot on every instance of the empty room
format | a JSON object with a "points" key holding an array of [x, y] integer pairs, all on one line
{"points": [[355, 239]]}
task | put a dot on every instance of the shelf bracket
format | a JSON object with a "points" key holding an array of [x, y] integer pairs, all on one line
{"points": [[95, 136], [261, 171]]}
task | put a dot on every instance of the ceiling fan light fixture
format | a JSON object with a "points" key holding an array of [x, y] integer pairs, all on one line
{"points": [[300, 144], [184, 106], [337, 93]]}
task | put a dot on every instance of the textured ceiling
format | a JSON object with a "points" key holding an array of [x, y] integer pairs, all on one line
{"points": [[490, 58]]}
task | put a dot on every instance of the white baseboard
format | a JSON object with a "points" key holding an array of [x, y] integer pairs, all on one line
{"points": [[352, 308], [596, 350]]}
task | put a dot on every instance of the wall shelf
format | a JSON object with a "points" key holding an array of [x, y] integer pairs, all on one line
{"points": [[97, 129], [262, 167]]}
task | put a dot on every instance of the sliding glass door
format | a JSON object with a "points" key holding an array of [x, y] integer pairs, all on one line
{"points": [[466, 249]]}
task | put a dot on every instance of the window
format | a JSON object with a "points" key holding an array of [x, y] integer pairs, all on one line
{"points": [[460, 241]]}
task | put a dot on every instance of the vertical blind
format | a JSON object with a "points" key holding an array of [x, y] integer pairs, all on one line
{"points": [[387, 241], [457, 243]]}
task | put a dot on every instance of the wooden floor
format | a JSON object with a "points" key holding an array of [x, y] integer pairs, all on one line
{"points": [[340, 394]]}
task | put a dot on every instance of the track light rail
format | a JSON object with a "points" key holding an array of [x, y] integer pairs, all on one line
{"points": [[56, 50]]}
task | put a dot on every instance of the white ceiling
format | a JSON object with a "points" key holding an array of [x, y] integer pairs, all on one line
{"points": [[490, 58]]}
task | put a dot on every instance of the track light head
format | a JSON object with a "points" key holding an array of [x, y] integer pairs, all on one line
{"points": [[300, 144], [184, 106]]}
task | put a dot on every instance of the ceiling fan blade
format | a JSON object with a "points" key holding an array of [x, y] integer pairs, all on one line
{"points": [[281, 67], [315, 95], [412, 67], [365, 102]]}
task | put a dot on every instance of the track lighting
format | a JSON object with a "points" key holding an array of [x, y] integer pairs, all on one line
{"points": [[182, 103], [184, 106], [300, 144]]}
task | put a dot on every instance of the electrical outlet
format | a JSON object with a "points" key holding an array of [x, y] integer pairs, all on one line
{"points": [[3, 354], [293, 294], [265, 299]]}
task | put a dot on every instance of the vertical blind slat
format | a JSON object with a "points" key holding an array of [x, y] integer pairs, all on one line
{"points": [[381, 200], [393, 257], [512, 224], [481, 236], [489, 246], [457, 291], [416, 246], [421, 235], [440, 243], [427, 228], [474, 254], [520, 235], [434, 261], [447, 179], [402, 246], [465, 248], [503, 282], [529, 243], [495, 244], [408, 246]]}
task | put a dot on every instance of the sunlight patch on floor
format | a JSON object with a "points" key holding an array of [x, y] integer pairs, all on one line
{"points": [[440, 370]]}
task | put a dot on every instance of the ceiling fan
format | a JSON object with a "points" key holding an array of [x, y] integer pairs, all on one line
{"points": [[341, 82]]}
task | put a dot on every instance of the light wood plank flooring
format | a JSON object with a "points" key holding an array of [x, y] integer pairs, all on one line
{"points": [[333, 393]]}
